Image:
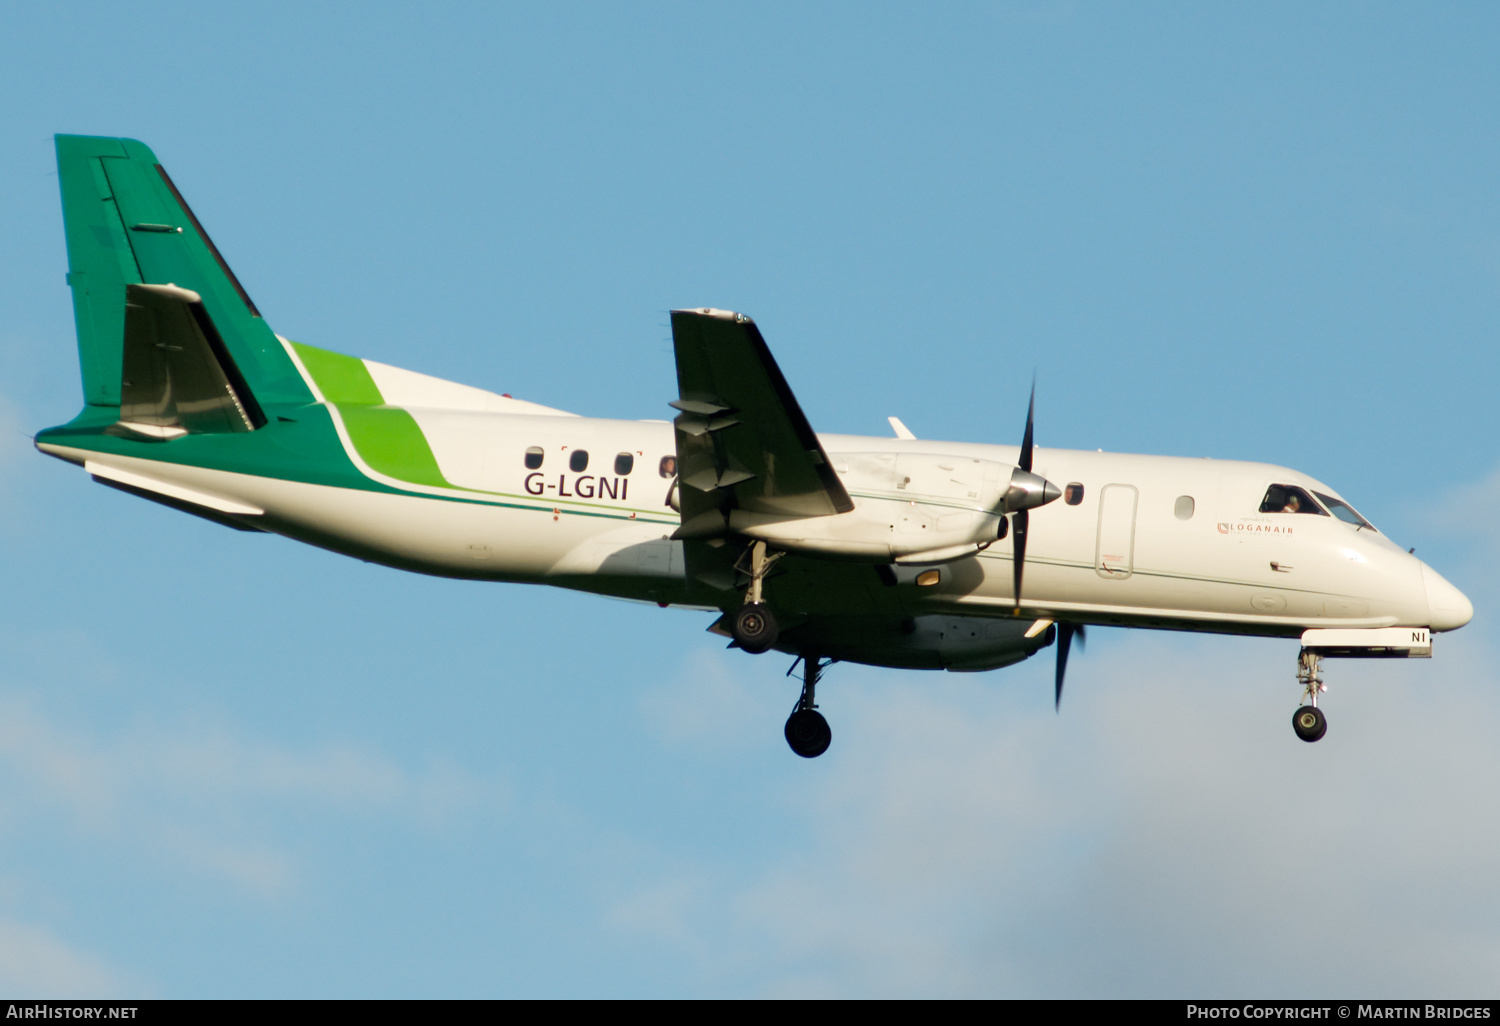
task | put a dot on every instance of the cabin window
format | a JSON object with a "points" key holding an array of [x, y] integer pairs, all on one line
{"points": [[534, 457], [624, 464], [1344, 511], [927, 578], [668, 466], [579, 461], [1289, 499], [1183, 510], [1073, 494]]}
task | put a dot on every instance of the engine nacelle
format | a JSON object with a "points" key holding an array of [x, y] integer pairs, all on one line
{"points": [[929, 642], [908, 508]]}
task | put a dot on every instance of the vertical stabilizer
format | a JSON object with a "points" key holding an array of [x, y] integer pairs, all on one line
{"points": [[127, 225]]}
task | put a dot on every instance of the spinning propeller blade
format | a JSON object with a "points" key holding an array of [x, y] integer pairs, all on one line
{"points": [[1026, 438], [1018, 560], [1026, 490], [1065, 632]]}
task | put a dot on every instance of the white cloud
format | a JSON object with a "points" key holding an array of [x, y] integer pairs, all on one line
{"points": [[15, 441], [206, 798], [707, 704], [35, 964], [1167, 835], [16, 452]]}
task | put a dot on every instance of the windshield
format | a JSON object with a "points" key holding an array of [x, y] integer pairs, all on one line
{"points": [[1281, 498], [1344, 511]]}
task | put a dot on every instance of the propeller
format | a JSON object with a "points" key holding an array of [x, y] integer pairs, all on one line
{"points": [[1026, 491], [1023, 515], [1065, 632]]}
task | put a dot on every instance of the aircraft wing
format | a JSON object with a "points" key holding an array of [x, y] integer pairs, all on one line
{"points": [[743, 442]]}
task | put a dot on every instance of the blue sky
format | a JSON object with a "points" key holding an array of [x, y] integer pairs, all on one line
{"points": [[234, 766]]}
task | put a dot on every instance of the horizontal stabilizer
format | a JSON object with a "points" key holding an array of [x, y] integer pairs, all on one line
{"points": [[177, 376]]}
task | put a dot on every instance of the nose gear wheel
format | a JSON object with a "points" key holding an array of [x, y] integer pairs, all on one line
{"points": [[1309, 721]]}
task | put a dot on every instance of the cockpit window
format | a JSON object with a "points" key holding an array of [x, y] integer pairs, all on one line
{"points": [[1289, 499], [1344, 511]]}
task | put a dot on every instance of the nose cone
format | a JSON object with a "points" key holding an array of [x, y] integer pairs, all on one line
{"points": [[1450, 608]]}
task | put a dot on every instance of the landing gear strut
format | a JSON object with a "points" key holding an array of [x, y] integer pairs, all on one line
{"points": [[753, 625], [806, 729], [1309, 721]]}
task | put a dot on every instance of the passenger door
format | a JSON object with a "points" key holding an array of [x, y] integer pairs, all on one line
{"points": [[1114, 547]]}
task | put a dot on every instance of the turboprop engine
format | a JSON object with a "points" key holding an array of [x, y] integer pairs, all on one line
{"points": [[908, 508]]}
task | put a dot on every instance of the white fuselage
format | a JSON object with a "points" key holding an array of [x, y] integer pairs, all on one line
{"points": [[1154, 541]]}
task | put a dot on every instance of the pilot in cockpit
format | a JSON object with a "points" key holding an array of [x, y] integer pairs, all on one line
{"points": [[1291, 499], [1288, 499]]}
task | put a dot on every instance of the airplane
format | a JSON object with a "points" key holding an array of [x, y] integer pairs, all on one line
{"points": [[899, 552]]}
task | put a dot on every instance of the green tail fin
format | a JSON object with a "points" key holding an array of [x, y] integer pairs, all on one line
{"points": [[127, 224]]}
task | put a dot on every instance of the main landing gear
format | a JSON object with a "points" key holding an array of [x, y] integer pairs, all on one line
{"points": [[806, 729], [1309, 721], [753, 625]]}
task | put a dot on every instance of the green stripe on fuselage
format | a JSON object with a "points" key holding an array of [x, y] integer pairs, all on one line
{"points": [[301, 443], [387, 438], [341, 379]]}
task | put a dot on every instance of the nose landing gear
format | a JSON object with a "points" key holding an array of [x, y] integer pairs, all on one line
{"points": [[1309, 721], [807, 732]]}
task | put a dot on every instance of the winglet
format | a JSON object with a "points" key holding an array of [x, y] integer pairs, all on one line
{"points": [[902, 431]]}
